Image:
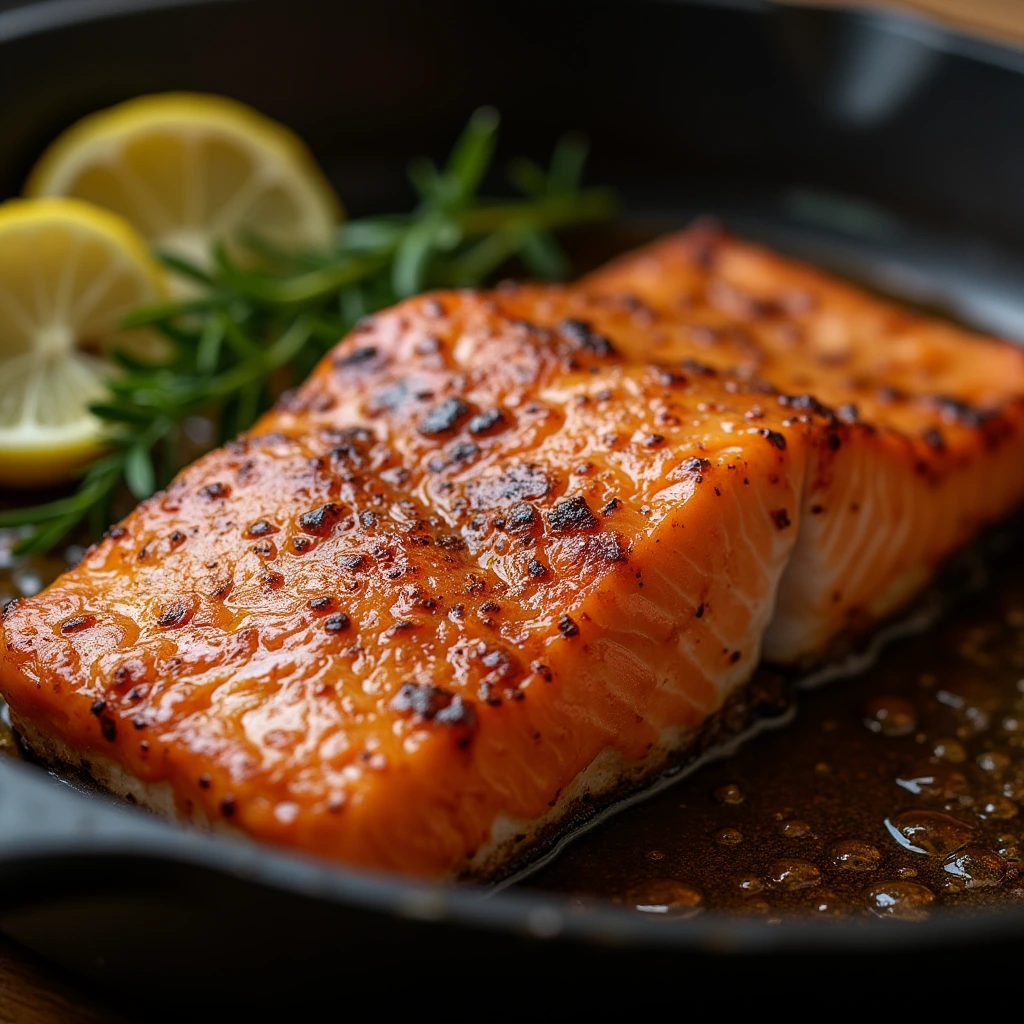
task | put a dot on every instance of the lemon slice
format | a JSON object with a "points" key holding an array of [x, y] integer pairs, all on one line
{"points": [[188, 169], [68, 272]]}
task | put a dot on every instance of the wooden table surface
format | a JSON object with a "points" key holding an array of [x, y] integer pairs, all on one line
{"points": [[33, 992]]}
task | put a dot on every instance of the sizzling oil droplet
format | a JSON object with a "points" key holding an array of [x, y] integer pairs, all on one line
{"points": [[949, 750], [795, 829], [930, 832], [890, 716], [1014, 789], [939, 781], [828, 904], [729, 794], [904, 901], [1008, 847], [792, 873], [749, 884], [730, 837], [666, 897], [993, 761], [855, 855], [974, 868], [996, 807]]}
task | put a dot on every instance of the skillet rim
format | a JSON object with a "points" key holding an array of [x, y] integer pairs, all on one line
{"points": [[115, 831]]}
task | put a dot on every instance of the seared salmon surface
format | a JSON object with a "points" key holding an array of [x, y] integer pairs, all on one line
{"points": [[478, 568], [936, 417], [506, 553]]}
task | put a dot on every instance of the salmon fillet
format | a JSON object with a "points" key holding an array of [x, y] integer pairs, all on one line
{"points": [[504, 555], [935, 415], [472, 577]]}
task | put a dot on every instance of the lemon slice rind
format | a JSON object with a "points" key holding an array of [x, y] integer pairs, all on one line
{"points": [[188, 169]]}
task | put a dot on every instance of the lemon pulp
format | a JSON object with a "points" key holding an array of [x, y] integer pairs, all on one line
{"points": [[68, 273]]}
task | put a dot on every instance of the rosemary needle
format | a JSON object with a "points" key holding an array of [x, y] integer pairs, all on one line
{"points": [[265, 313]]}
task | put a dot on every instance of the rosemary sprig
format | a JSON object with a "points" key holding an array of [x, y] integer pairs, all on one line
{"points": [[259, 319]]}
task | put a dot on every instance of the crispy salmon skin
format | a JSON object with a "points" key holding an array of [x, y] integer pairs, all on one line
{"points": [[476, 572], [936, 415]]}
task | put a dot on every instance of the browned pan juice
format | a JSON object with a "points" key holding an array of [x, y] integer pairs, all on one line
{"points": [[894, 793]]}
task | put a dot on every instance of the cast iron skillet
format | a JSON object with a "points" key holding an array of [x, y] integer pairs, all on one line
{"points": [[883, 146]]}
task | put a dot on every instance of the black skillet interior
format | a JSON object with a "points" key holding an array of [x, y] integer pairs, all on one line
{"points": [[882, 146]]}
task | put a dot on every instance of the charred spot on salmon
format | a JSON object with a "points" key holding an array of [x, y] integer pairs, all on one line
{"points": [[352, 561], [774, 438], [654, 440], [175, 615], [433, 704], [804, 403], [520, 482], [367, 518], [215, 490], [319, 521], [521, 515], [698, 369], [444, 418], [670, 379], [572, 514], [953, 411], [463, 451], [537, 568], [337, 622], [265, 549], [108, 727], [271, 580], [98, 707], [834, 441], [483, 422], [205, 780], [933, 438], [781, 518], [177, 539], [566, 626], [450, 542], [357, 357], [848, 412], [228, 806], [610, 506], [391, 397], [694, 467], [583, 334], [77, 623], [613, 547], [320, 604], [115, 533]]}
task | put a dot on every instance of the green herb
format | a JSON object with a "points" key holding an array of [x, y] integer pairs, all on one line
{"points": [[260, 319]]}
